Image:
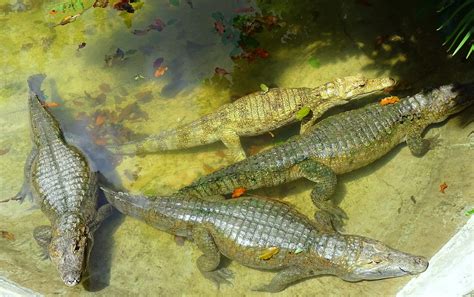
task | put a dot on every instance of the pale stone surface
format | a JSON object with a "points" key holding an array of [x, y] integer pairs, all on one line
{"points": [[132, 258]]}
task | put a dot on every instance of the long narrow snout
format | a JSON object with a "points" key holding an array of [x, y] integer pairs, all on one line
{"points": [[378, 261], [414, 265]]}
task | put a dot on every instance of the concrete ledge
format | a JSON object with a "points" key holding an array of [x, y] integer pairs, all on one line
{"points": [[11, 289], [451, 270]]}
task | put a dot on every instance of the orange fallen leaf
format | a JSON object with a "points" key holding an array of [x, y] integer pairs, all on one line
{"points": [[53, 12], [238, 192], [100, 141], [100, 120], [160, 71], [443, 187], [389, 100], [7, 235], [50, 104], [269, 253]]}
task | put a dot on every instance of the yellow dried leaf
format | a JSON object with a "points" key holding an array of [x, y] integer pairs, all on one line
{"points": [[269, 253]]}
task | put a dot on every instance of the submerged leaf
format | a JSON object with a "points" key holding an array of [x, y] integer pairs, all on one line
{"points": [[7, 235], [174, 2], [304, 111], [314, 62], [158, 62]]}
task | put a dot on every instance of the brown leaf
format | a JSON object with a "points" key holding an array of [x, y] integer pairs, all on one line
{"points": [[105, 88], [4, 151], [7, 235]]}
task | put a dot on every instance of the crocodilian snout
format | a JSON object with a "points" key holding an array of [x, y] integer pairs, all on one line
{"points": [[71, 279], [414, 265], [465, 96], [378, 261]]}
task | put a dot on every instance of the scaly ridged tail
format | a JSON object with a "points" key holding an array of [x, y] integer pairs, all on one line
{"points": [[202, 131], [43, 125]]}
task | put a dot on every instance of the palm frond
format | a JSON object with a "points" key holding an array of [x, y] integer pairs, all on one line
{"points": [[461, 18]]}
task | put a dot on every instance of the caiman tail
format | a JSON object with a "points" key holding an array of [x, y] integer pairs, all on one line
{"points": [[44, 126], [199, 132]]}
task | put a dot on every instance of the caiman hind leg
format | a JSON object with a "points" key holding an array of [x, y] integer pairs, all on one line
{"points": [[42, 235], [208, 263], [285, 278], [317, 111], [419, 146], [321, 194], [25, 187], [232, 141]]}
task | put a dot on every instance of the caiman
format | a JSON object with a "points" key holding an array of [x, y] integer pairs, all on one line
{"points": [[59, 179], [339, 144], [266, 234], [257, 113]]}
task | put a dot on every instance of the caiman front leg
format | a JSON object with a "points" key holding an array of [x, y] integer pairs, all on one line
{"points": [[208, 263], [25, 187], [42, 235], [317, 111], [285, 278], [308, 123], [326, 181], [102, 213], [232, 141]]}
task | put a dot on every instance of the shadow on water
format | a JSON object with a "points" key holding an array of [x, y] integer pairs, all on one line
{"points": [[77, 133], [101, 256]]}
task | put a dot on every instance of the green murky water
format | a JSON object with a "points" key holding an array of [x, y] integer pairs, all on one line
{"points": [[104, 97]]}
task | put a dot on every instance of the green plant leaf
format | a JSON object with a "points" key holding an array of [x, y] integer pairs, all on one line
{"points": [[462, 26], [314, 62], [304, 111], [264, 88], [174, 2], [462, 42], [454, 13], [470, 51]]}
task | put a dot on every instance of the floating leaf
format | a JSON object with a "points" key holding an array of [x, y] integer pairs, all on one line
{"points": [[314, 62], [264, 88], [4, 151], [7, 235], [158, 62], [304, 111], [269, 253], [160, 71], [443, 187], [50, 104], [174, 2], [220, 71]]}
